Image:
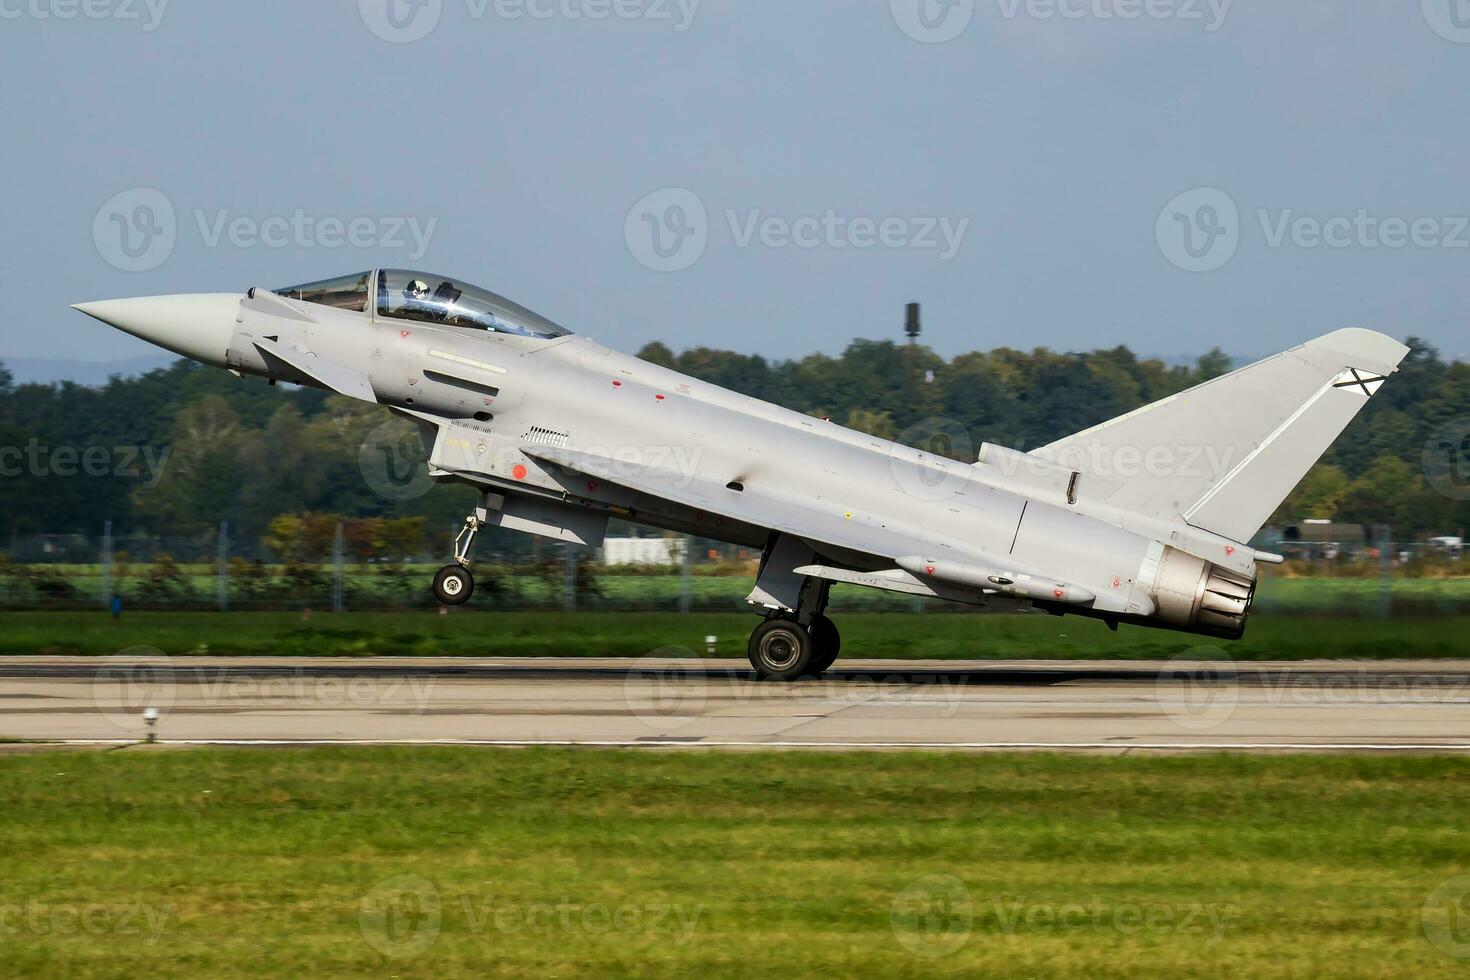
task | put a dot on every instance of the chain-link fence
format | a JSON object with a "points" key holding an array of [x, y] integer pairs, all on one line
{"points": [[667, 574]]}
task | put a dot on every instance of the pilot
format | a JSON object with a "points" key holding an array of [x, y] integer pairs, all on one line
{"points": [[416, 300]]}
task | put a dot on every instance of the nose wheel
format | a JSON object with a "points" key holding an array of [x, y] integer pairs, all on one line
{"points": [[454, 585]]}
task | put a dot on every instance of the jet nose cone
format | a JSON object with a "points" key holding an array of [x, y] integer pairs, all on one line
{"points": [[197, 325]]}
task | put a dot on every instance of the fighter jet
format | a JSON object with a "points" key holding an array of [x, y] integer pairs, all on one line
{"points": [[1143, 520]]}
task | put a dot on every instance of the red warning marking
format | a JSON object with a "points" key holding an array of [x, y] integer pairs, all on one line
{"points": [[659, 397], [929, 569], [591, 485], [617, 384], [403, 334], [1058, 593], [519, 472], [1117, 582], [1229, 550]]}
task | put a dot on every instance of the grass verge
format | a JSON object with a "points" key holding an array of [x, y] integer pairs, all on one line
{"points": [[444, 862], [1271, 636]]}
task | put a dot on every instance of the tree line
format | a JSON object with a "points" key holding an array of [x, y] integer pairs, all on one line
{"points": [[177, 450]]}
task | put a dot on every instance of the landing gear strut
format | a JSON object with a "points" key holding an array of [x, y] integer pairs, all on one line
{"points": [[453, 584], [797, 639]]}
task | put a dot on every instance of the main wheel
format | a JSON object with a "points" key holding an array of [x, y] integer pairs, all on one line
{"points": [[454, 585], [828, 644], [780, 649]]}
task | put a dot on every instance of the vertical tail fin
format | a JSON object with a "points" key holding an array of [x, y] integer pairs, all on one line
{"points": [[1223, 455]]}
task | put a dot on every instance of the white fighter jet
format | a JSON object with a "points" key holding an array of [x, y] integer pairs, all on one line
{"points": [[1143, 520]]}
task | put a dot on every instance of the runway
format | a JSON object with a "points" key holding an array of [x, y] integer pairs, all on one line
{"points": [[1113, 707]]}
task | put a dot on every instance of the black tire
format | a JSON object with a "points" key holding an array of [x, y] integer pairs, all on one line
{"points": [[827, 643], [781, 650], [453, 585]]}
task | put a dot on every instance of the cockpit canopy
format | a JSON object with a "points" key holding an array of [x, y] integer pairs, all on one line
{"points": [[427, 298]]}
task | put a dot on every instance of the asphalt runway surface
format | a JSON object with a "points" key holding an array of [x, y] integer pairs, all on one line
{"points": [[1115, 707]]}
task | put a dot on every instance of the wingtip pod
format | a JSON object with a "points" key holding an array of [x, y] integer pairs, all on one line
{"points": [[1361, 348]]}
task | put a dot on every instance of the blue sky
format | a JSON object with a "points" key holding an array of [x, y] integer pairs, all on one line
{"points": [[1169, 174]]}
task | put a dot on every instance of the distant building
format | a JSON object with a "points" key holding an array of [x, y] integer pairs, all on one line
{"points": [[644, 551], [1324, 539]]}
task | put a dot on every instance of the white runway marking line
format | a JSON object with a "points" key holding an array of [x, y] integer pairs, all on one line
{"points": [[656, 742]]}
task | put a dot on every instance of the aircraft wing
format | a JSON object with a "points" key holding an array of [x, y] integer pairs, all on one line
{"points": [[818, 522]]}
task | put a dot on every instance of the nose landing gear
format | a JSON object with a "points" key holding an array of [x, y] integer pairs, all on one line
{"points": [[453, 584]]}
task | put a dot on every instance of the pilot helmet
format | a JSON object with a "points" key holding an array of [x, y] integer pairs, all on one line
{"points": [[417, 289]]}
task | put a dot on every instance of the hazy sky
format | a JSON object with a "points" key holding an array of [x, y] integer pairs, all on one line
{"points": [[802, 167]]}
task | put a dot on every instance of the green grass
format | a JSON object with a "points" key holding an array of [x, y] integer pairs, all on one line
{"points": [[563, 863], [524, 588], [894, 635]]}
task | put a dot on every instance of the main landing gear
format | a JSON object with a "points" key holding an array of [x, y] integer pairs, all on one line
{"points": [[453, 584], [796, 639], [782, 649]]}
